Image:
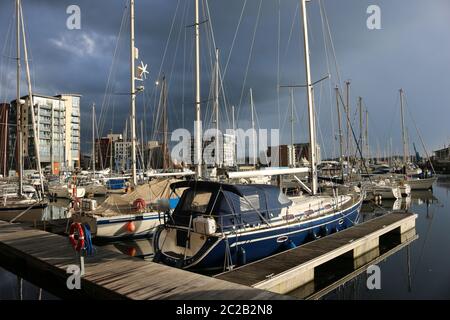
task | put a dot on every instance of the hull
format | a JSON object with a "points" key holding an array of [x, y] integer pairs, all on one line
{"points": [[64, 192], [11, 212], [239, 248], [392, 193], [405, 190], [421, 184], [118, 227]]}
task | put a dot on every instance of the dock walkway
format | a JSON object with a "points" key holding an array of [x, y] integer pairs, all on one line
{"points": [[42, 258], [288, 270]]}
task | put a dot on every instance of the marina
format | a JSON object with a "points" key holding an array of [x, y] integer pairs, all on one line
{"points": [[215, 164]]}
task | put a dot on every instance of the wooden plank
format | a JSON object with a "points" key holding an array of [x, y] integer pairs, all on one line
{"points": [[312, 254], [42, 258]]}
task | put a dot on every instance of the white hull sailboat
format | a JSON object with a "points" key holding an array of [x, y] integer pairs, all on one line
{"points": [[130, 215], [421, 184], [66, 191]]}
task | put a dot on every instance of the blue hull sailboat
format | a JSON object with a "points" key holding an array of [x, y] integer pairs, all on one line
{"points": [[218, 226]]}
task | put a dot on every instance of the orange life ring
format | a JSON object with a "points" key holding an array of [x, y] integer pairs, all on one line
{"points": [[139, 204], [77, 244]]}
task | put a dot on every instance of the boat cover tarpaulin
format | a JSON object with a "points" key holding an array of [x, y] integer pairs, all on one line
{"points": [[151, 193]]}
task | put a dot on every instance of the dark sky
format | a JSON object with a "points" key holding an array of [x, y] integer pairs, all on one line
{"points": [[410, 51]]}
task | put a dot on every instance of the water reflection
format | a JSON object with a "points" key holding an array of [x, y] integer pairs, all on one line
{"points": [[141, 248], [420, 270], [411, 268]]}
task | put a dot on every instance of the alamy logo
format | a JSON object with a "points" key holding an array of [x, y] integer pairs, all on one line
{"points": [[374, 278], [74, 280], [217, 147], [374, 20], [74, 20]]}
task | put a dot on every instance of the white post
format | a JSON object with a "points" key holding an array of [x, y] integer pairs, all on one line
{"points": [[309, 93], [198, 126], [133, 94]]}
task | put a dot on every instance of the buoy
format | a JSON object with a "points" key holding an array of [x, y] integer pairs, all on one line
{"points": [[131, 227]]}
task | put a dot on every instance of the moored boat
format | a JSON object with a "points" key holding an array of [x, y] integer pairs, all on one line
{"points": [[218, 226], [131, 215]]}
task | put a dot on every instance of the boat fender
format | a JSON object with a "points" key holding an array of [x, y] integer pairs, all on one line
{"points": [[131, 227], [88, 240], [77, 244], [242, 256], [325, 231], [316, 234]]}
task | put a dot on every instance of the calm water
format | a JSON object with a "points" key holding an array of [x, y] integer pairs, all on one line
{"points": [[424, 271], [420, 270]]}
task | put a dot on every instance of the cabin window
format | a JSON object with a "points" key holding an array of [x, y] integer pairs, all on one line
{"points": [[197, 201], [250, 203]]}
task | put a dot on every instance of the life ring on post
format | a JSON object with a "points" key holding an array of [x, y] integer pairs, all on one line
{"points": [[77, 244], [139, 204]]}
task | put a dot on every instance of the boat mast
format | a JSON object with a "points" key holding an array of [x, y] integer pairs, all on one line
{"points": [[405, 152], [52, 151], [347, 111], [233, 121], [125, 146], [309, 94], [31, 102], [93, 138], [133, 94], [292, 154], [216, 107], [5, 146], [198, 125], [367, 135], [142, 145], [18, 104], [164, 122], [361, 141], [341, 143], [252, 106], [111, 150]]}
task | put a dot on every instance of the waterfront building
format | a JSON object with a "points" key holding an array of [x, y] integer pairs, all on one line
{"points": [[58, 132]]}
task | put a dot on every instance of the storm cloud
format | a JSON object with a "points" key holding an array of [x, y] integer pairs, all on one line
{"points": [[410, 51]]}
